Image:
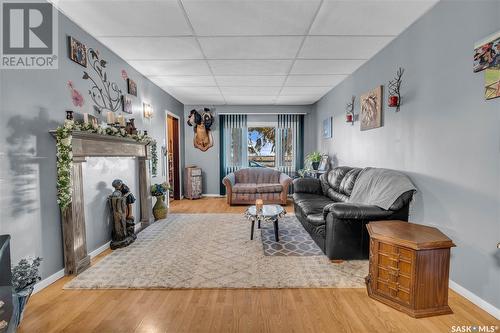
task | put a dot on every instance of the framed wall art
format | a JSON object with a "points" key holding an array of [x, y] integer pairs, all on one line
{"points": [[327, 128], [132, 87], [127, 104], [77, 51], [371, 109]]}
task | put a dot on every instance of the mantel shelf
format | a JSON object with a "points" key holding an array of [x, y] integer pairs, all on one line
{"points": [[100, 137]]}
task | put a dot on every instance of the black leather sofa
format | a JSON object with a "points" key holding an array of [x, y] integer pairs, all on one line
{"points": [[337, 226]]}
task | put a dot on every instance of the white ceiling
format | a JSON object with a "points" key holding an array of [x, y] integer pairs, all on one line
{"points": [[245, 51]]}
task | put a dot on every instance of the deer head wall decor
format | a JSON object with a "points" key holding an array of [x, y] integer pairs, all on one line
{"points": [[201, 121]]}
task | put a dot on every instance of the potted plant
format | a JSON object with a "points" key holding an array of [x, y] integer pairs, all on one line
{"points": [[314, 158], [160, 208], [24, 277]]}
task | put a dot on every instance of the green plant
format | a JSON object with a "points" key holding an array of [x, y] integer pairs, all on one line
{"points": [[25, 274], [154, 159], [159, 189], [314, 157], [64, 154]]}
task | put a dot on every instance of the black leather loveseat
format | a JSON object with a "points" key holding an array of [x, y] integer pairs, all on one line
{"points": [[337, 225]]}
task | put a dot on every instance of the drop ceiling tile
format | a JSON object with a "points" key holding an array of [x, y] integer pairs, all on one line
{"points": [[250, 67], [342, 47], [251, 81], [250, 100], [368, 17], [154, 48], [284, 47], [314, 80], [184, 81], [127, 18], [194, 91], [304, 90], [297, 100], [202, 100], [325, 66], [250, 91], [171, 67], [281, 17]]}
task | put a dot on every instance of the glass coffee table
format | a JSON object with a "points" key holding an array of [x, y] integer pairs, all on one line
{"points": [[269, 213]]}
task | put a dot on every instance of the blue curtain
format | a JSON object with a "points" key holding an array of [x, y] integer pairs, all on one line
{"points": [[233, 144]]}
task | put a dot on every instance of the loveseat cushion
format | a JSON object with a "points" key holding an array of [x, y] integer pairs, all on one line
{"points": [[269, 188], [257, 175], [248, 188]]}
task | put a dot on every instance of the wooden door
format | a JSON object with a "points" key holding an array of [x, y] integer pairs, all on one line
{"points": [[173, 157]]}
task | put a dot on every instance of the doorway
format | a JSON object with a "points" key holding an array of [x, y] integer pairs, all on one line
{"points": [[173, 158]]}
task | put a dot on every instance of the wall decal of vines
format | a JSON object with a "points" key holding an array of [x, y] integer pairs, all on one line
{"points": [[105, 94]]}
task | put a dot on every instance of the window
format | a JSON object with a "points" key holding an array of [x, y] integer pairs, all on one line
{"points": [[262, 146]]}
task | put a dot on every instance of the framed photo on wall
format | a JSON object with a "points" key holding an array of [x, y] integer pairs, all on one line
{"points": [[127, 104], [77, 51], [487, 53], [327, 128], [132, 87]]}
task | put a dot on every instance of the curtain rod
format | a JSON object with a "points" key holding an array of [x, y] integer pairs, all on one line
{"points": [[260, 114]]}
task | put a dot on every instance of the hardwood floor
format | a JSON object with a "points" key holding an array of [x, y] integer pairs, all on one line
{"points": [[244, 310]]}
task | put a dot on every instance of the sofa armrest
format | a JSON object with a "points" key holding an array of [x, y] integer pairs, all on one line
{"points": [[341, 210], [228, 182], [285, 180], [307, 185]]}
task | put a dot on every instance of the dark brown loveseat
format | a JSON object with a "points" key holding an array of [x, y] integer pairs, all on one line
{"points": [[246, 185]]}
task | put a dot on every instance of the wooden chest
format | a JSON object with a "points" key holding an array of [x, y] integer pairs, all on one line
{"points": [[409, 267]]}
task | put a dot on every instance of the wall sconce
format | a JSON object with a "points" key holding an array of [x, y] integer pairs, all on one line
{"points": [[148, 111], [394, 93], [349, 115]]}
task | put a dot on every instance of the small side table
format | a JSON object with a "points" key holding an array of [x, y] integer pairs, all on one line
{"points": [[270, 213], [409, 267]]}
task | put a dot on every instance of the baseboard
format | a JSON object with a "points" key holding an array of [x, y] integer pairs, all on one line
{"points": [[99, 250], [491, 309], [48, 281], [211, 195], [60, 274]]}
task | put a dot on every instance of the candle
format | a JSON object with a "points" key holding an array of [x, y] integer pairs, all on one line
{"points": [[121, 120], [110, 117], [85, 118], [258, 205]]}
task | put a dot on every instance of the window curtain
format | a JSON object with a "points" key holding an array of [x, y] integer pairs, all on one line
{"points": [[290, 143], [233, 144]]}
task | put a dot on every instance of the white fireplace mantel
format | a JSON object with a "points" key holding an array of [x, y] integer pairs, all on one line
{"points": [[84, 144]]}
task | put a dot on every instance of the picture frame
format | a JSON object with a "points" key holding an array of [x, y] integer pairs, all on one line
{"points": [[324, 163], [487, 53], [77, 51], [328, 128], [371, 109], [127, 104], [131, 87], [492, 83]]}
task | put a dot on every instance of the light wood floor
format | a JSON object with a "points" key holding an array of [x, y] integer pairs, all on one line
{"points": [[272, 310]]}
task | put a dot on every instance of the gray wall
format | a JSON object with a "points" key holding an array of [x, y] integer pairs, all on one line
{"points": [[31, 103], [446, 136], [209, 160]]}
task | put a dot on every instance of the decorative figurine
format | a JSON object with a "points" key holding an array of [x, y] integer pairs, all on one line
{"points": [[123, 222]]}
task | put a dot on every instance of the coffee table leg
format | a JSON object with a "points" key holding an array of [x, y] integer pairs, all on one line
{"points": [[251, 232], [258, 223], [276, 230]]}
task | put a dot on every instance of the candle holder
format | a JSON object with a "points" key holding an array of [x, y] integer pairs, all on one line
{"points": [[394, 90], [69, 115], [349, 116]]}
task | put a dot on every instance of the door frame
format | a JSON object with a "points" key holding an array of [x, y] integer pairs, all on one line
{"points": [[173, 115]]}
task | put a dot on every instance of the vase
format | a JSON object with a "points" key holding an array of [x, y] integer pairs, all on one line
{"points": [[160, 208], [315, 165], [22, 299]]}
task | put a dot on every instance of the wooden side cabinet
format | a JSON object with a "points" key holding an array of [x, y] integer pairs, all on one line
{"points": [[409, 267]]}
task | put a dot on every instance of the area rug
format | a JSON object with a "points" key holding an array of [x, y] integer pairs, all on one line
{"points": [[212, 251], [293, 240]]}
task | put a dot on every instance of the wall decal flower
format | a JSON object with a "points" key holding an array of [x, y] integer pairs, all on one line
{"points": [[76, 96], [124, 75]]}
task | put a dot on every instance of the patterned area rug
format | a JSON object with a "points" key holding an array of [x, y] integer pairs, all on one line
{"points": [[293, 239], [212, 251]]}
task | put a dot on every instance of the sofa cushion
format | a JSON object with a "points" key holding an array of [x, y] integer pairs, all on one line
{"points": [[245, 188], [313, 206], [257, 175], [298, 197], [347, 183], [334, 178], [269, 188], [336, 196], [316, 219]]}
